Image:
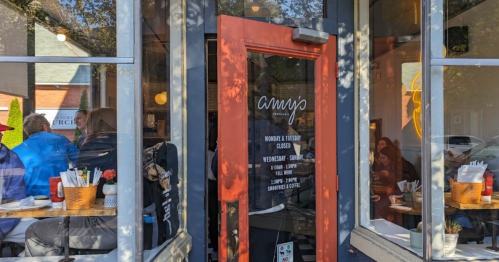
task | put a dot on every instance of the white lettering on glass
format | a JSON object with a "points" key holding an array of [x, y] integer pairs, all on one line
{"points": [[283, 104]]}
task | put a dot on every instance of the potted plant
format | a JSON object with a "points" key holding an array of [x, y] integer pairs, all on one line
{"points": [[452, 229], [110, 189], [416, 236]]}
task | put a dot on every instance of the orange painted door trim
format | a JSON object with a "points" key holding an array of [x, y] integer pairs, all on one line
{"points": [[237, 36]]}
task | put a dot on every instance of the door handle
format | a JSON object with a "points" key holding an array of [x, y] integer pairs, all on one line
{"points": [[233, 231], [236, 240]]}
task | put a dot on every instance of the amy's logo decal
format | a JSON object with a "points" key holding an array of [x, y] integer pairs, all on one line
{"points": [[282, 104]]}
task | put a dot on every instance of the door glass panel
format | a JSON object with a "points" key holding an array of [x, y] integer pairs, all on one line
{"points": [[281, 183]]}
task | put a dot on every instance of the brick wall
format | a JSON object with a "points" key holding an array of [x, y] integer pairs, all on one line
{"points": [[64, 97]]}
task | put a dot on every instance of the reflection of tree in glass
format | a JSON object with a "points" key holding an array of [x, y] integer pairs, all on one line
{"points": [[301, 8], [276, 8], [89, 23]]}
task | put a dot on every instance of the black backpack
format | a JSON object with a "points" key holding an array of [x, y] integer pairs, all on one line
{"points": [[161, 219]]}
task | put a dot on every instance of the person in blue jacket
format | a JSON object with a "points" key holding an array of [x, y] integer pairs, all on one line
{"points": [[12, 174], [43, 154]]}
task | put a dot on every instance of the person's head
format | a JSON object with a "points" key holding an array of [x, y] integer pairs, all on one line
{"points": [[35, 123], [388, 156], [101, 120], [456, 157], [2, 129], [81, 119], [383, 142]]}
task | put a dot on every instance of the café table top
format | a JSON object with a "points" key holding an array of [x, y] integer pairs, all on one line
{"points": [[97, 209], [494, 204], [417, 212]]}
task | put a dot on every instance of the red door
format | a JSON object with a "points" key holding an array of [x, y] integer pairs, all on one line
{"points": [[276, 144]]}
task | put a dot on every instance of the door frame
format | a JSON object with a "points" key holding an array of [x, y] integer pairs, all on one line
{"points": [[237, 36]]}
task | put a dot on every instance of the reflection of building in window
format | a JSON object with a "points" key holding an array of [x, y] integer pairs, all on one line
{"points": [[58, 87]]}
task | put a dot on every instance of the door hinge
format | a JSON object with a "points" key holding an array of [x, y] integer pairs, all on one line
{"points": [[337, 183], [337, 71]]}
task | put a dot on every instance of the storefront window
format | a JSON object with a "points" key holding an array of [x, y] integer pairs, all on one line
{"points": [[56, 145], [469, 122], [272, 8], [161, 126], [40, 28], [461, 158], [83, 107], [391, 179]]}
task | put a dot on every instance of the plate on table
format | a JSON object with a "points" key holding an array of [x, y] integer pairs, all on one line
{"points": [[15, 205], [41, 197], [398, 203]]}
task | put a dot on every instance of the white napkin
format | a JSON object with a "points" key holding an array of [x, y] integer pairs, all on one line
{"points": [[401, 185], [472, 173], [27, 202]]}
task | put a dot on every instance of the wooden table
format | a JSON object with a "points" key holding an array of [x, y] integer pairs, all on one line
{"points": [[493, 206], [97, 209], [482, 205]]}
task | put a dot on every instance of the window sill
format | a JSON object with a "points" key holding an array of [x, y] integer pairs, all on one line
{"points": [[393, 241], [379, 247], [177, 249]]}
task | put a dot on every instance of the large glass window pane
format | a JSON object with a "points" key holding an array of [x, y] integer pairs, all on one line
{"points": [[391, 202], [272, 8], [68, 121], [58, 28], [162, 152], [471, 28], [470, 134]]}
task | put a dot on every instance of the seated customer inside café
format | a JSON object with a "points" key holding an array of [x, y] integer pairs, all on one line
{"points": [[12, 188], [57, 152], [46, 237]]}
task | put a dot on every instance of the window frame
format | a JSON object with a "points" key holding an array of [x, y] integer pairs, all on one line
{"points": [[432, 146], [130, 137]]}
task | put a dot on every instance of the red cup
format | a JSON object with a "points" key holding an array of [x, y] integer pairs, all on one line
{"points": [[56, 189]]}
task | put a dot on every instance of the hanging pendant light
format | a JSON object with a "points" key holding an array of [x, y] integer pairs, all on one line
{"points": [[161, 98]]}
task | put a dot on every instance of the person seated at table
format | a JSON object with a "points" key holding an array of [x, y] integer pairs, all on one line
{"points": [[43, 154], [409, 173], [388, 177], [454, 159], [99, 148], [12, 170], [46, 237], [81, 122]]}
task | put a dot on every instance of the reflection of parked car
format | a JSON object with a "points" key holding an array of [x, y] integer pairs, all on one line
{"points": [[488, 152], [462, 142]]}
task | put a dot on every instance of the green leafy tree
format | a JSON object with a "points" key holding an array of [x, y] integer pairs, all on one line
{"points": [[14, 137], [83, 106]]}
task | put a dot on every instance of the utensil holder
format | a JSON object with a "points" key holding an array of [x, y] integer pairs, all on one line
{"points": [[80, 197]]}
